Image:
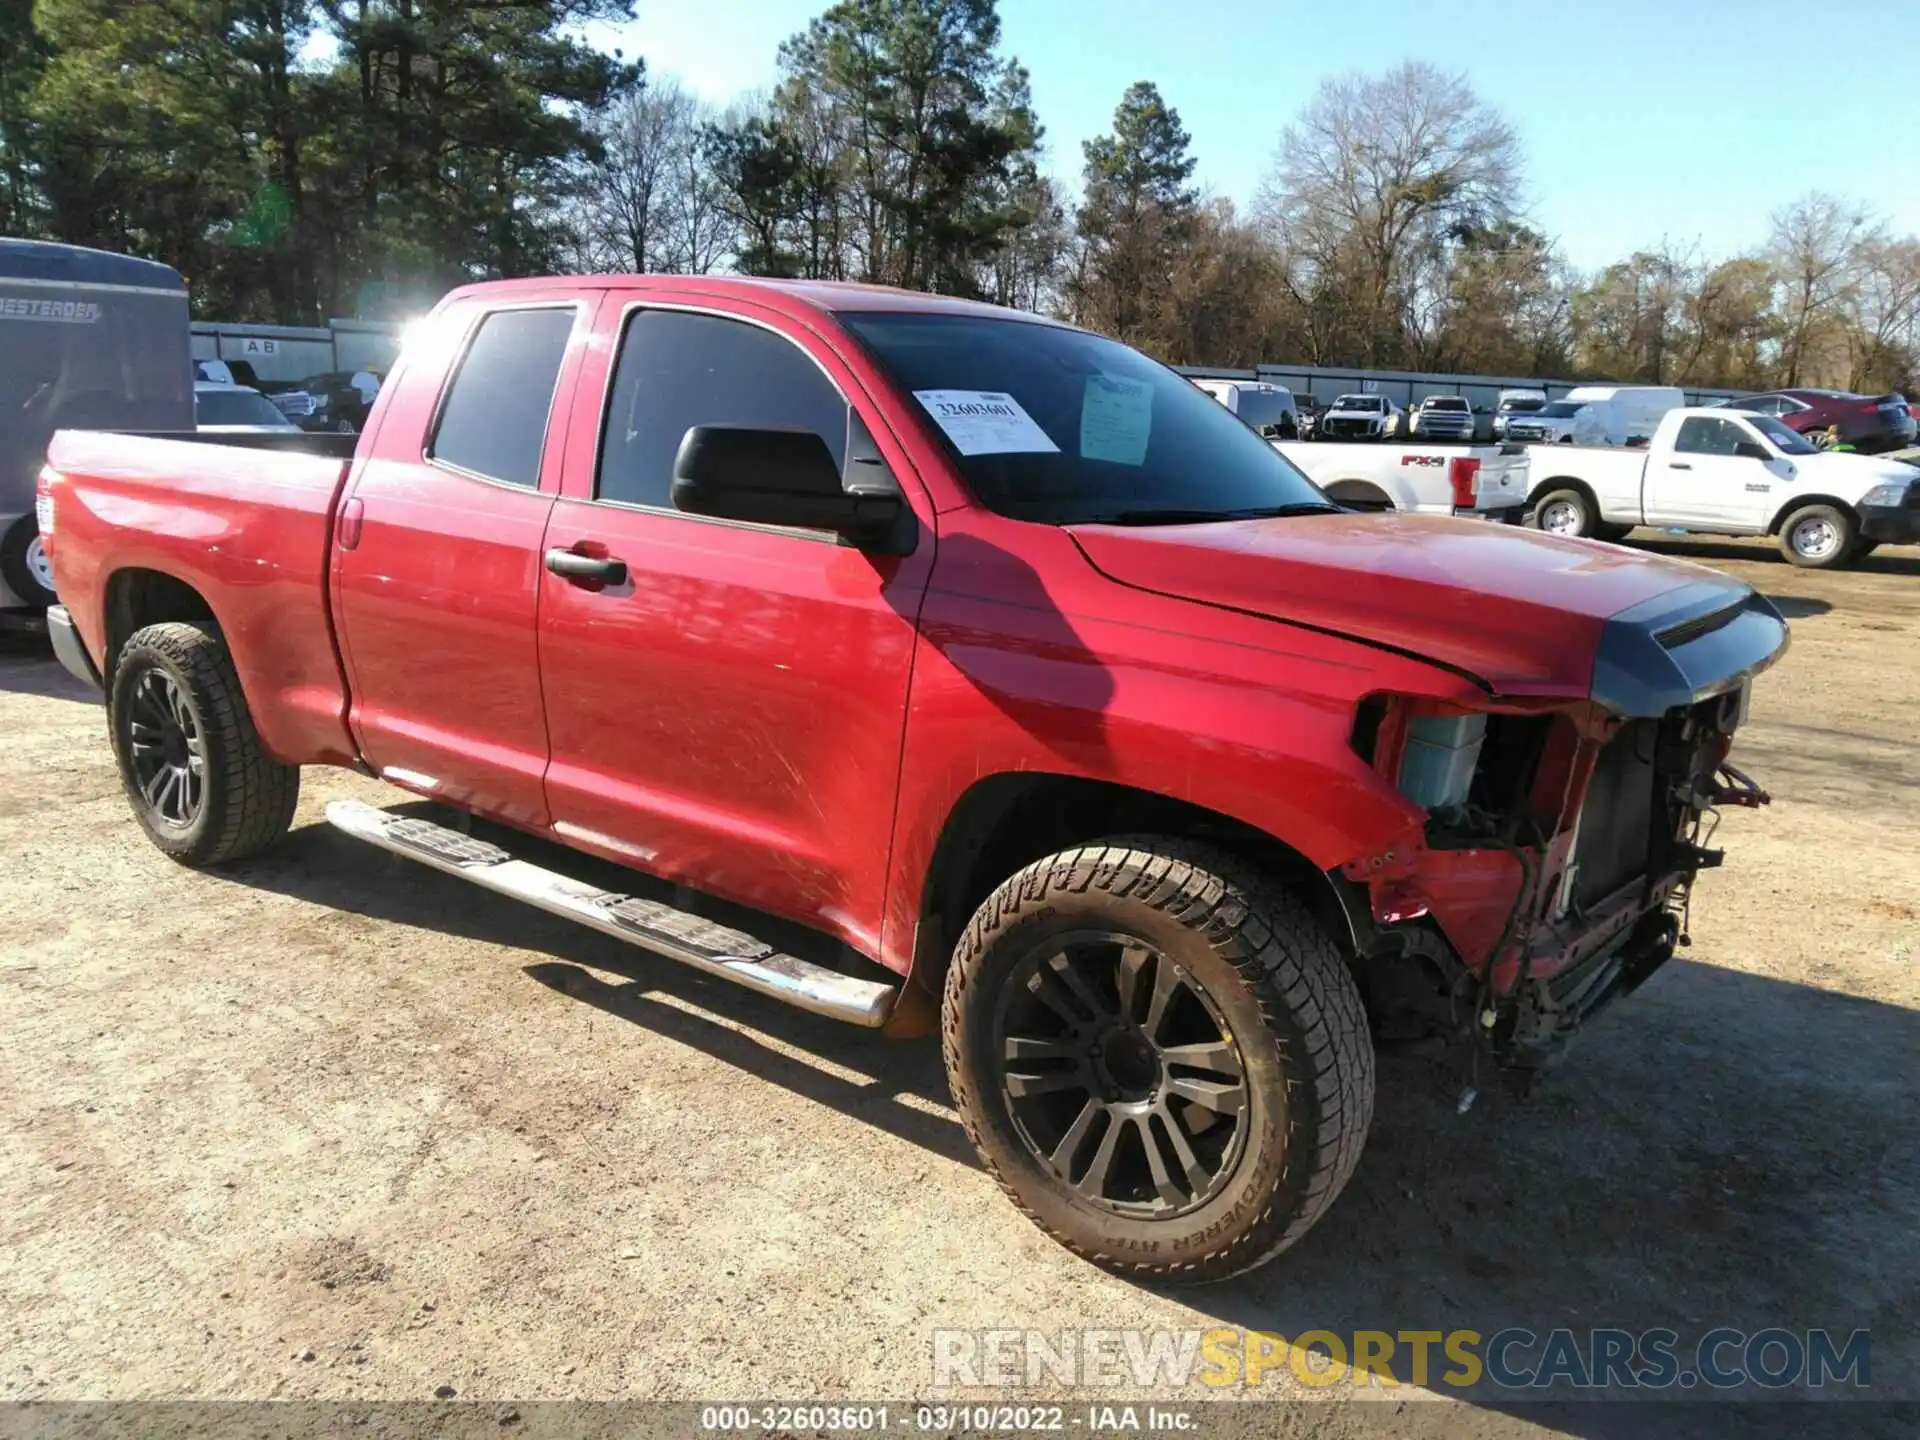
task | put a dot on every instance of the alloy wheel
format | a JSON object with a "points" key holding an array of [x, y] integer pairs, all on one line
{"points": [[1121, 1076], [166, 749]]}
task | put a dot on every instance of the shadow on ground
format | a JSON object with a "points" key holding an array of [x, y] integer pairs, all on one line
{"points": [[1901, 560], [1723, 1150], [27, 667]]}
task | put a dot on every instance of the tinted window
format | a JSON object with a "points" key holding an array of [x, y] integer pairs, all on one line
{"points": [[1061, 427], [1262, 407], [678, 370], [237, 407], [494, 421], [1703, 436]]}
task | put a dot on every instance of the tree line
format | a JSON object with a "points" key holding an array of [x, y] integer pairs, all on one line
{"points": [[304, 158]]}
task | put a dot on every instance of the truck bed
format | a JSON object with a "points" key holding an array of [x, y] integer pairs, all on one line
{"points": [[247, 520]]}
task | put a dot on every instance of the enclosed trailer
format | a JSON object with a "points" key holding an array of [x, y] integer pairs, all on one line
{"points": [[88, 341]]}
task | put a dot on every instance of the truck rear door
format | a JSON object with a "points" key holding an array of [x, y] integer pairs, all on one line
{"points": [[437, 559]]}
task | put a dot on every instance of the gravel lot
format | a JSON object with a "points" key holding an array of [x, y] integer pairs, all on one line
{"points": [[332, 1125]]}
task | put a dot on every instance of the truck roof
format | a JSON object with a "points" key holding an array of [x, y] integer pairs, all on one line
{"points": [[44, 262], [826, 295]]}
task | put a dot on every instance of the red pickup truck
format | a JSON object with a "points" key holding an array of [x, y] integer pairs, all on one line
{"points": [[1071, 719]]}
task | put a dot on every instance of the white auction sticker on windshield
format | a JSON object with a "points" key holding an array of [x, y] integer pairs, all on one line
{"points": [[1116, 419], [985, 422]]}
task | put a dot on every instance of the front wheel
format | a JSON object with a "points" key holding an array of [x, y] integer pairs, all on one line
{"points": [[1159, 1055], [1565, 511], [200, 782], [1819, 537]]}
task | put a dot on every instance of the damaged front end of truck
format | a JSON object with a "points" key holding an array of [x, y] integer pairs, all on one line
{"points": [[1559, 843]]}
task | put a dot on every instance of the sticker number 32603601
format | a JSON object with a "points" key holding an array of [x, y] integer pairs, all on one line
{"points": [[985, 422]]}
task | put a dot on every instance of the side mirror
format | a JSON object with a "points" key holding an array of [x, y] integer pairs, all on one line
{"points": [[781, 477], [1751, 450]]}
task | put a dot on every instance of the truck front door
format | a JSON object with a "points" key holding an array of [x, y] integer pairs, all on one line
{"points": [[1701, 483], [437, 556], [729, 716]]}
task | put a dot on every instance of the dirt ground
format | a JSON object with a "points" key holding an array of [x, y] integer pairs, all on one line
{"points": [[332, 1125]]}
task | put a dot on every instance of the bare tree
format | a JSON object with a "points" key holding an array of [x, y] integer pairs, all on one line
{"points": [[1372, 183], [651, 203], [1815, 248], [1886, 315]]}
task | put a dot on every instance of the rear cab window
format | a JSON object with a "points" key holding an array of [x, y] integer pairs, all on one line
{"points": [[493, 418]]}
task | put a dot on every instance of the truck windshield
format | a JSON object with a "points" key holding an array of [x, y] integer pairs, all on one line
{"points": [[1562, 409], [1358, 402], [1060, 427], [1786, 440]]}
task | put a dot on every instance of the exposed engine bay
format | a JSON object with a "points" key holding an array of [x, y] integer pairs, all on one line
{"points": [[1554, 869]]}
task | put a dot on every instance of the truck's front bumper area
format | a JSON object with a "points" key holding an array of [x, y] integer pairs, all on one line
{"points": [[68, 648], [1890, 524]]}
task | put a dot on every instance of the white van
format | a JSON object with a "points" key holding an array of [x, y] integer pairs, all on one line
{"points": [[1258, 403], [1620, 414]]}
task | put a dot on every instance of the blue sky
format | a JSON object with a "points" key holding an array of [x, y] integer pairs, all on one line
{"points": [[1639, 118]]}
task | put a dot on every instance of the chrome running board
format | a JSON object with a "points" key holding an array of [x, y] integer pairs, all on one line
{"points": [[678, 934]]}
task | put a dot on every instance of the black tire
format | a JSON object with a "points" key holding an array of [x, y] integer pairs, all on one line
{"points": [[1244, 959], [1569, 501], [17, 548], [244, 799], [1819, 537]]}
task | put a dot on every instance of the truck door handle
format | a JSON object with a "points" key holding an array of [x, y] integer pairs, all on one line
{"points": [[1678, 465], [587, 569]]}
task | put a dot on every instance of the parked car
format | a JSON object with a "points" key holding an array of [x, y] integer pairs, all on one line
{"points": [[1550, 424], [1441, 417], [1269, 409], [235, 408], [1869, 424], [1360, 417], [963, 642], [1511, 403], [1722, 472], [339, 400], [87, 338]]}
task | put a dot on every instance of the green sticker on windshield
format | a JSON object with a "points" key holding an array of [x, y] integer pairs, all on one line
{"points": [[1116, 417]]}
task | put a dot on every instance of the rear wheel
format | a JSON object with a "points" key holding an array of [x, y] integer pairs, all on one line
{"points": [[24, 563], [1159, 1055], [1565, 511], [195, 772], [1819, 537]]}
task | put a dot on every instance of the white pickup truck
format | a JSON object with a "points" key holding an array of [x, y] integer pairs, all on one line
{"points": [[1721, 472], [1489, 481]]}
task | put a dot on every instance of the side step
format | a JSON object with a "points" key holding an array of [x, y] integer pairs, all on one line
{"points": [[691, 939]]}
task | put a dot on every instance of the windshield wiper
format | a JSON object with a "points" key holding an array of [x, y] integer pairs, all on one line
{"points": [[1170, 516]]}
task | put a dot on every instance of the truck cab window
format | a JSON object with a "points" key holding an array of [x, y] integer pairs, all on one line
{"points": [[677, 370], [1703, 436], [494, 420]]}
